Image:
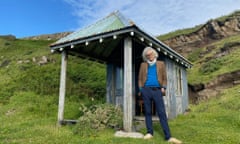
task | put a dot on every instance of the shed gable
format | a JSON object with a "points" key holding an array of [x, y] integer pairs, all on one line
{"points": [[112, 22]]}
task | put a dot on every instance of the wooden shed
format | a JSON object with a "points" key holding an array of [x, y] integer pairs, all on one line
{"points": [[118, 42]]}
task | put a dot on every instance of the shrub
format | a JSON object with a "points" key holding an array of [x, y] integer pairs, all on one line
{"points": [[194, 56], [40, 79], [211, 66], [98, 117]]}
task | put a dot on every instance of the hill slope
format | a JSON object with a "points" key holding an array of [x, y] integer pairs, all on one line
{"points": [[28, 65], [186, 40], [31, 118], [214, 49]]}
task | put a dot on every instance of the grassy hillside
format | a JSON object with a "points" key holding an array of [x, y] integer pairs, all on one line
{"points": [[179, 32], [186, 31], [208, 66], [31, 118], [21, 72]]}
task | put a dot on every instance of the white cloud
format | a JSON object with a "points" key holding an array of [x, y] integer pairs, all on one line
{"points": [[89, 11], [154, 16]]}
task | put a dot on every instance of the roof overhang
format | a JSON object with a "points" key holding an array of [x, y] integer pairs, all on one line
{"points": [[131, 31]]}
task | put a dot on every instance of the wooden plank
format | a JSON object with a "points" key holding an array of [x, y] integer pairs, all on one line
{"points": [[62, 90], [127, 94], [185, 101], [170, 98], [68, 122]]}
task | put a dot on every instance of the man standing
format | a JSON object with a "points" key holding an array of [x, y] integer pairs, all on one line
{"points": [[152, 82]]}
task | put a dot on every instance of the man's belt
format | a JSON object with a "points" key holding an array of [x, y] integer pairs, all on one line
{"points": [[154, 88]]}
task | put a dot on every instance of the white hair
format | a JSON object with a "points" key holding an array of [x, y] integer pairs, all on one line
{"points": [[146, 50]]}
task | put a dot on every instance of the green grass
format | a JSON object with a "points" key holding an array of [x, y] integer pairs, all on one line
{"points": [[32, 118], [229, 63], [179, 32], [23, 49], [234, 14], [215, 121], [19, 72]]}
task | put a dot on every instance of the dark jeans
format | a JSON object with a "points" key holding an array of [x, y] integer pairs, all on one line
{"points": [[155, 95]]}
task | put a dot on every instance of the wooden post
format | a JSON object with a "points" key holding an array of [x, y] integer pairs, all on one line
{"points": [[128, 92], [62, 90]]}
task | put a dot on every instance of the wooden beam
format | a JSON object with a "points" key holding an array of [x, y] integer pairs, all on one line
{"points": [[62, 90], [128, 92]]}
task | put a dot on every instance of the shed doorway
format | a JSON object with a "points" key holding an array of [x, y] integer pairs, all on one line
{"points": [[139, 104]]}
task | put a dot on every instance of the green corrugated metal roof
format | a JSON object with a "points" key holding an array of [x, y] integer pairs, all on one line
{"points": [[112, 22], [106, 28]]}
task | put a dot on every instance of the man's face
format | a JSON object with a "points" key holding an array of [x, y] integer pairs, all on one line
{"points": [[150, 55]]}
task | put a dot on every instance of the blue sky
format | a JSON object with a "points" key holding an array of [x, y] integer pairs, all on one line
{"points": [[24, 18]]}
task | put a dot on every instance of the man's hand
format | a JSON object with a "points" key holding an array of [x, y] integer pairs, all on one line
{"points": [[139, 93], [163, 91]]}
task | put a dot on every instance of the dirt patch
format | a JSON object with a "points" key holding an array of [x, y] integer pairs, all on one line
{"points": [[200, 92]]}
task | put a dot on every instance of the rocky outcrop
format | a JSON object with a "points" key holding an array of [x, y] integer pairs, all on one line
{"points": [[224, 81], [55, 36], [41, 60], [209, 32], [226, 49], [8, 37], [5, 63], [199, 92]]}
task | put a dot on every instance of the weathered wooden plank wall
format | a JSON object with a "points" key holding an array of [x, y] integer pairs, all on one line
{"points": [[170, 95], [185, 99], [176, 103], [122, 92]]}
